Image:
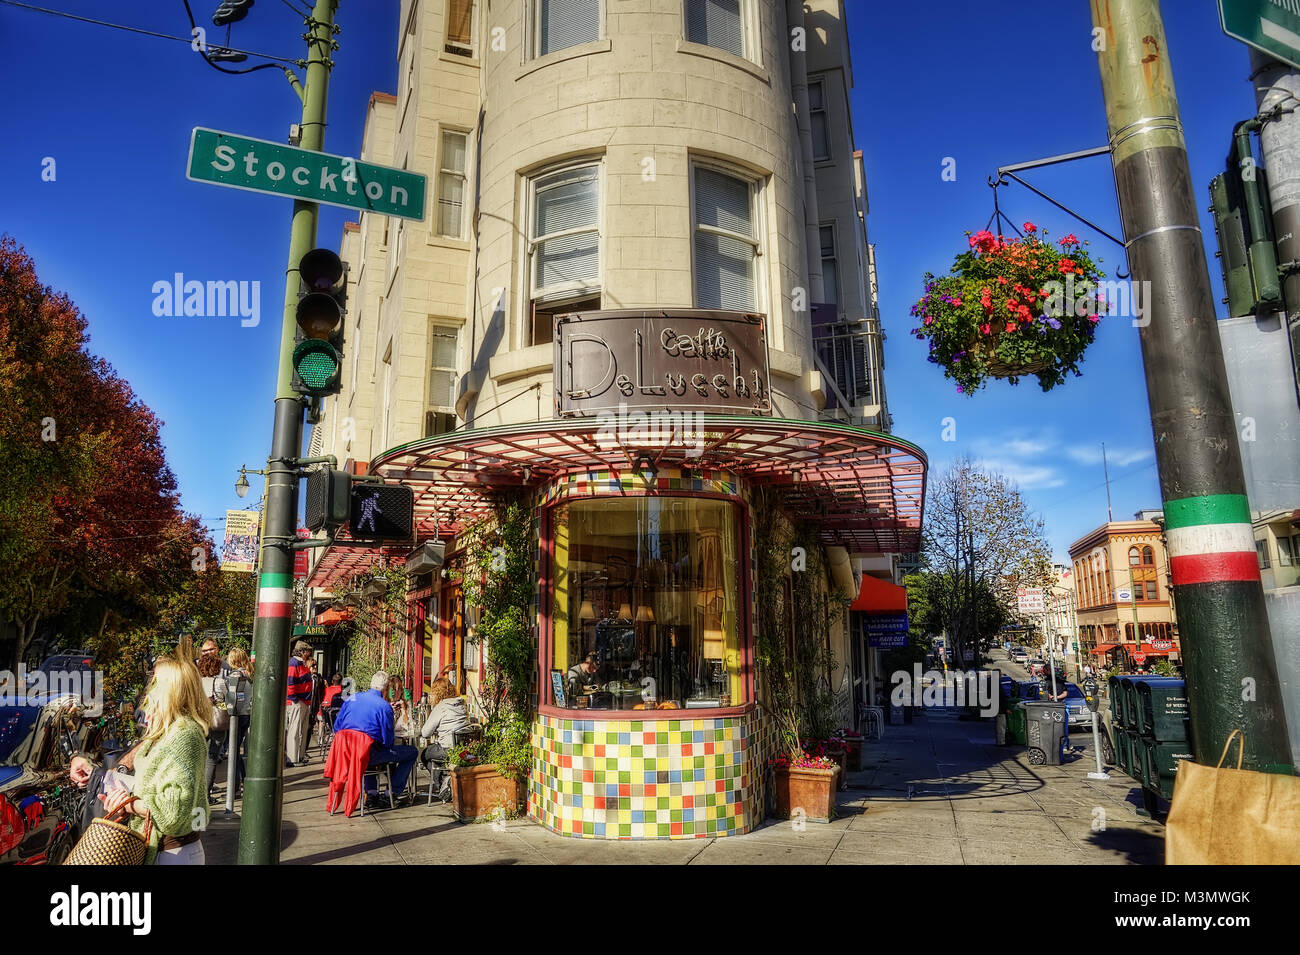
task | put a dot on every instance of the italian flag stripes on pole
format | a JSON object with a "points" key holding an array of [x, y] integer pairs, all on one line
{"points": [[1210, 539], [275, 595]]}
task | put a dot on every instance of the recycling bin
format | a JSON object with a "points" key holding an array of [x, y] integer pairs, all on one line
{"points": [[1044, 732], [1115, 693], [1128, 686], [1161, 708], [1160, 764], [1123, 750]]}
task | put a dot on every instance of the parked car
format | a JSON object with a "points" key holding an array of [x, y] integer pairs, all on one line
{"points": [[1019, 655], [1076, 706], [40, 807]]}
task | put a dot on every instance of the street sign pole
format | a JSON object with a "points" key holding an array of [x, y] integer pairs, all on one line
{"points": [[1232, 680], [259, 831]]}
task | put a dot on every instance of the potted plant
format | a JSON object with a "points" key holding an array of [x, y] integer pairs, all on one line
{"points": [[491, 774], [851, 742], [804, 786], [1011, 308]]}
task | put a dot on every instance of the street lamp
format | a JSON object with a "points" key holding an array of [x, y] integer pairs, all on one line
{"points": [[241, 486]]}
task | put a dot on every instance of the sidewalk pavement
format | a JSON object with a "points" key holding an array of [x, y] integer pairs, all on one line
{"points": [[936, 791]]}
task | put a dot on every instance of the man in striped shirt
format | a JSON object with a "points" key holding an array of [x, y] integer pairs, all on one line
{"points": [[297, 707]]}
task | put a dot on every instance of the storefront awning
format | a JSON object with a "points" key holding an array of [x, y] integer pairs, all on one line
{"points": [[880, 596], [1104, 647], [864, 490], [332, 616], [1147, 648]]}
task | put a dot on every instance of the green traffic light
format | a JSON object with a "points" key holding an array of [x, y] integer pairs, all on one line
{"points": [[317, 364]]}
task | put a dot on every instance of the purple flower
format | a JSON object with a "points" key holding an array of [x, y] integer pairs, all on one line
{"points": [[961, 390]]}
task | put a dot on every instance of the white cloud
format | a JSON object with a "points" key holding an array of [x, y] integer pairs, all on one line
{"points": [[1118, 457], [1027, 476]]}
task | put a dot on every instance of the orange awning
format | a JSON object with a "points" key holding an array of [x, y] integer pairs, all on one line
{"points": [[1147, 648], [880, 596], [1103, 647], [333, 616]]}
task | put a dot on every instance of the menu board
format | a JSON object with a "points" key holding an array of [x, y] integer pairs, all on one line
{"points": [[557, 687]]}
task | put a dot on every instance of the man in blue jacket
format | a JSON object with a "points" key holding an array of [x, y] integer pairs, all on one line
{"points": [[371, 714]]}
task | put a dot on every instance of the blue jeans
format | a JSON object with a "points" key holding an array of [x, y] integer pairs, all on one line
{"points": [[403, 756]]}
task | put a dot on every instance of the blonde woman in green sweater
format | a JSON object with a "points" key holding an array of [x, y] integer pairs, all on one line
{"points": [[170, 767]]}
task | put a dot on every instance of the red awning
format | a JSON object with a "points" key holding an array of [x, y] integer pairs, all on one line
{"points": [[333, 616], [1147, 648], [880, 596], [1104, 647]]}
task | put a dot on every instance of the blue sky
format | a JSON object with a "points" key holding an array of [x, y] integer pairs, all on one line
{"points": [[115, 110]]}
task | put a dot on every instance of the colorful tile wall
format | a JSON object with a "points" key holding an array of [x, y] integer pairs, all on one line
{"points": [[596, 483], [646, 779]]}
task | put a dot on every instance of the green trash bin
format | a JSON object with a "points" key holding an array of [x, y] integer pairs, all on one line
{"points": [[1016, 723], [1160, 761], [1161, 708], [1130, 697], [1124, 751], [1115, 693]]}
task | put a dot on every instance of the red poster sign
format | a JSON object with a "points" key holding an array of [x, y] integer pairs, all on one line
{"points": [[300, 556]]}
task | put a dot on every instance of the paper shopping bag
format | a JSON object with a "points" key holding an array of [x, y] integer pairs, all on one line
{"points": [[1232, 816]]}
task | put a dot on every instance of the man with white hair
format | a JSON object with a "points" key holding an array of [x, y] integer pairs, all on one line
{"points": [[371, 714]]}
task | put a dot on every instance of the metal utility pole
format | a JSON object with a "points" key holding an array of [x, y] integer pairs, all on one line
{"points": [[1232, 677], [259, 831], [1105, 470], [1277, 93]]}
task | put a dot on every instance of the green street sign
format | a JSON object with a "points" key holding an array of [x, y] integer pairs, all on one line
{"points": [[1272, 26], [224, 159]]}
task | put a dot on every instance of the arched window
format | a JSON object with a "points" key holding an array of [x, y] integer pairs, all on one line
{"points": [[1134, 557], [1128, 631], [1148, 557]]}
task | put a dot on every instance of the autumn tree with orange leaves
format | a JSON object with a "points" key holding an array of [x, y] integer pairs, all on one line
{"points": [[92, 536]]}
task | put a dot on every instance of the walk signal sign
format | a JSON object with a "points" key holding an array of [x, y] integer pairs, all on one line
{"points": [[381, 512]]}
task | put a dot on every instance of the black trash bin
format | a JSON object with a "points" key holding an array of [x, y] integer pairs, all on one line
{"points": [[1045, 732]]}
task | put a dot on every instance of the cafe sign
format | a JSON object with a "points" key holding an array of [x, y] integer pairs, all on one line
{"points": [[675, 359]]}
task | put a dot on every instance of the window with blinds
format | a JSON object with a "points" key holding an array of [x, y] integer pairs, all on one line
{"points": [[830, 278], [451, 186], [566, 231], [726, 241], [459, 38], [442, 368], [565, 23], [716, 23], [821, 141]]}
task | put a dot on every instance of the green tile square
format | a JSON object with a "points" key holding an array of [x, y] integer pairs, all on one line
{"points": [[665, 829], [651, 764], [699, 762], [599, 776], [625, 776], [663, 802], [588, 738], [636, 726], [711, 826], [638, 751], [661, 739], [625, 829], [675, 815], [718, 736], [588, 829], [674, 726], [689, 828], [611, 763]]}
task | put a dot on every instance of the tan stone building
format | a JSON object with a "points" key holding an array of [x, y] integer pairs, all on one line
{"points": [[1121, 584], [647, 157]]}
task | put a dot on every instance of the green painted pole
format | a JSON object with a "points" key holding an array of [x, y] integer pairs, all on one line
{"points": [[1232, 680], [259, 830]]}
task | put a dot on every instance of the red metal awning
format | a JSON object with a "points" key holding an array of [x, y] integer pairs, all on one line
{"points": [[333, 616], [865, 490], [1104, 647], [880, 596], [1147, 648]]}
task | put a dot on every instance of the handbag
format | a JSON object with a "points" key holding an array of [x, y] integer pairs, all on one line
{"points": [[1232, 816], [109, 842]]}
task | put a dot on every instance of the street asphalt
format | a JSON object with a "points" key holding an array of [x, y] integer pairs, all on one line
{"points": [[934, 791]]}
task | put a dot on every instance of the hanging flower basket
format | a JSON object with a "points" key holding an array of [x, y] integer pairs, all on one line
{"points": [[1012, 308]]}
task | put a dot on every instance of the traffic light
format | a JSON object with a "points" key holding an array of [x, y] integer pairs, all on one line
{"points": [[381, 512], [322, 301], [327, 498], [231, 11]]}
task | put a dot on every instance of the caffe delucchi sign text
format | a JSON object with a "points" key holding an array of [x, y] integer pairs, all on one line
{"points": [[673, 359]]}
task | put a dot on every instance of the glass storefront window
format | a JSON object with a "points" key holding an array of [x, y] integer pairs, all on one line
{"points": [[646, 606]]}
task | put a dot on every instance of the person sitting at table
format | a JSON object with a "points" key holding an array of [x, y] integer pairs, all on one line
{"points": [[583, 674], [448, 715], [371, 714]]}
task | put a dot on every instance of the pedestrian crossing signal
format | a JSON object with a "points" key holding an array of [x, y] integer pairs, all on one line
{"points": [[381, 512]]}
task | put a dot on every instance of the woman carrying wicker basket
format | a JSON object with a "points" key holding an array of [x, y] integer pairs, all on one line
{"points": [[168, 800]]}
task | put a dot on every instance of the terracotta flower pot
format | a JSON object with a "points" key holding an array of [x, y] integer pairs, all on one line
{"points": [[477, 792], [809, 790]]}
